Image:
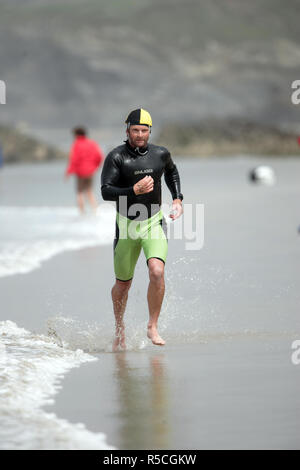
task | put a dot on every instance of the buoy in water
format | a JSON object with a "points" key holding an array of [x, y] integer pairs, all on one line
{"points": [[262, 175]]}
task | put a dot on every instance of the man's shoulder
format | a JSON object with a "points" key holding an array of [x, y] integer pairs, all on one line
{"points": [[159, 149], [116, 152], [91, 143]]}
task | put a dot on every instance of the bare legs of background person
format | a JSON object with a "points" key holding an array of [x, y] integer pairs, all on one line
{"points": [[91, 198], [80, 201]]}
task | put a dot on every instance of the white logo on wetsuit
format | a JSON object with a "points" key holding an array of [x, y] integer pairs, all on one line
{"points": [[138, 172]]}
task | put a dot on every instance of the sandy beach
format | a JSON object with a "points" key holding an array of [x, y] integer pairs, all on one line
{"points": [[225, 378], [234, 394], [98, 101]]}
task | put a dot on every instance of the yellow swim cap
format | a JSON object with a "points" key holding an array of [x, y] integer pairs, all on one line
{"points": [[139, 116]]}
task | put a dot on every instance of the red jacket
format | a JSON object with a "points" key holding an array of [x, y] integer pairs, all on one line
{"points": [[85, 157]]}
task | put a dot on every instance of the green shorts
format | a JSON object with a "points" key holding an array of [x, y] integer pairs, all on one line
{"points": [[132, 236]]}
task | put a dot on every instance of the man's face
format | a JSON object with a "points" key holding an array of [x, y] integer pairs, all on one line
{"points": [[138, 135]]}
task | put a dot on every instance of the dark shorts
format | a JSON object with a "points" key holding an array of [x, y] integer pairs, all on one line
{"points": [[84, 183]]}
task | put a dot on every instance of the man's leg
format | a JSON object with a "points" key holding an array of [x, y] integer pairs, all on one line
{"points": [[92, 200], [119, 294], [155, 297], [126, 253], [80, 201]]}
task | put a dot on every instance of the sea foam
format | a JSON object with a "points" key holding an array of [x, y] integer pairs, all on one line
{"points": [[31, 367]]}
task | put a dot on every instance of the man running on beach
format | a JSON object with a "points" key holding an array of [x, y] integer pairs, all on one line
{"points": [[85, 157], [131, 176]]}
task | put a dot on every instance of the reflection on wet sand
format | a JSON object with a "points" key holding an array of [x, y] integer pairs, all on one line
{"points": [[144, 403]]}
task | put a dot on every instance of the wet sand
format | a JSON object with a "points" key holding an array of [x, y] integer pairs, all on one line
{"points": [[236, 394], [220, 391], [231, 312]]}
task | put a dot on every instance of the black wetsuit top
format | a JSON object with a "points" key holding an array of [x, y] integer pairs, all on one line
{"points": [[124, 166]]}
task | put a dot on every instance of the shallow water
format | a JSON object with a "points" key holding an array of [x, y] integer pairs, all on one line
{"points": [[31, 235], [242, 284], [31, 367]]}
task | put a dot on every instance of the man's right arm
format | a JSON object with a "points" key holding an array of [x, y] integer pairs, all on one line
{"points": [[110, 179]]}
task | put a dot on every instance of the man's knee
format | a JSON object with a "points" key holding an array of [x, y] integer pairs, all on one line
{"points": [[156, 269], [122, 287]]}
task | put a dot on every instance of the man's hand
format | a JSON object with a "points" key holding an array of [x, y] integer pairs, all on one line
{"points": [[177, 209], [145, 185]]}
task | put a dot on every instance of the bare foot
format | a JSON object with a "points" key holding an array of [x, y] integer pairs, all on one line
{"points": [[152, 334], [119, 339]]}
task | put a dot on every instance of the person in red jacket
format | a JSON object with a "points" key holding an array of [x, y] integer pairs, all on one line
{"points": [[85, 157]]}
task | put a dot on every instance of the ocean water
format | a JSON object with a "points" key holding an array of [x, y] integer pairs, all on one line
{"points": [[244, 282], [31, 235], [31, 367], [34, 228]]}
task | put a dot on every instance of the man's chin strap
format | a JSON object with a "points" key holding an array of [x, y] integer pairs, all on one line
{"points": [[137, 150]]}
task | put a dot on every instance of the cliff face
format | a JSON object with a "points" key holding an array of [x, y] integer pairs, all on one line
{"points": [[17, 147], [90, 62], [228, 137]]}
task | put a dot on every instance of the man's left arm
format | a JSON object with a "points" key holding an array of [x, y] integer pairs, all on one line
{"points": [[172, 179]]}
